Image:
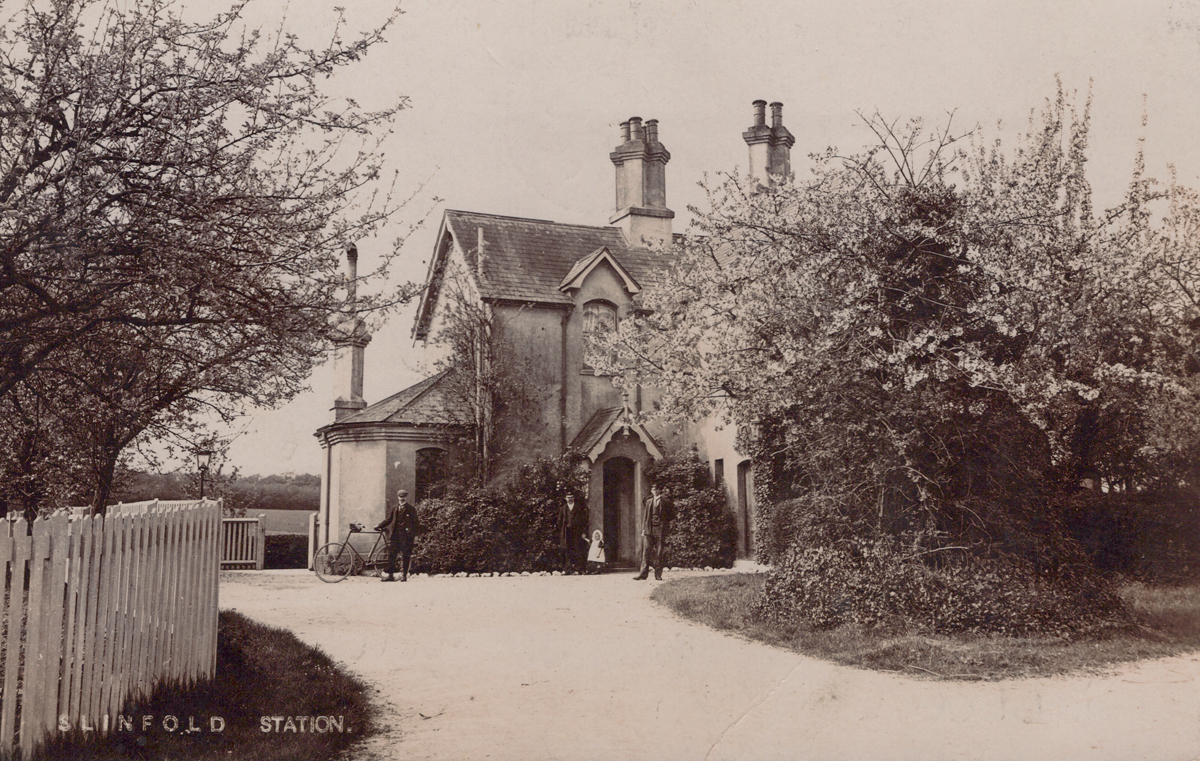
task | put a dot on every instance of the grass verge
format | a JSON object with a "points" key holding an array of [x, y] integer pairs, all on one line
{"points": [[1168, 622], [262, 673]]}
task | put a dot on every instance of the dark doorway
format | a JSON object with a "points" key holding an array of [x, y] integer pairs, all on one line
{"points": [[619, 543], [430, 474], [745, 509]]}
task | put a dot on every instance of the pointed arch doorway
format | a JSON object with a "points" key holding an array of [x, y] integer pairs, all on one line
{"points": [[619, 450]]}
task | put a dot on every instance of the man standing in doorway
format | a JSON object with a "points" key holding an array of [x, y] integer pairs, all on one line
{"points": [[655, 517], [400, 527], [572, 535]]}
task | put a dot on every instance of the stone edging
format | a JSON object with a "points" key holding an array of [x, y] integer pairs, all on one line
{"points": [[506, 574]]}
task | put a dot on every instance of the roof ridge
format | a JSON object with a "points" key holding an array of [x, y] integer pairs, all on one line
{"points": [[429, 381], [533, 219], [433, 381]]}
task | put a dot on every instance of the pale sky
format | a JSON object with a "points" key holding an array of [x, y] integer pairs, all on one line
{"points": [[516, 105]]}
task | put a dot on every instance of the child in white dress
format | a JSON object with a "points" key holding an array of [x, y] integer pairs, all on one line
{"points": [[595, 558]]}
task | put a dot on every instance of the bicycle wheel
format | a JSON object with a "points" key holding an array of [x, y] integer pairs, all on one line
{"points": [[377, 561], [333, 562]]}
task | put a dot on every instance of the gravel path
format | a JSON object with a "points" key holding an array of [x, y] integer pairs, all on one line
{"points": [[587, 668]]}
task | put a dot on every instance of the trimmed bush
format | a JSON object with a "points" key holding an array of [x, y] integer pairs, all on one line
{"points": [[875, 584], [1147, 536], [703, 531], [839, 571], [286, 551], [779, 523], [464, 532], [512, 528]]}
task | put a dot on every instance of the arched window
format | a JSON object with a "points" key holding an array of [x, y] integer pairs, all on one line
{"points": [[431, 473], [599, 318]]}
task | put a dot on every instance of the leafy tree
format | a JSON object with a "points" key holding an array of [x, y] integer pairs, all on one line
{"points": [[936, 336], [176, 196]]}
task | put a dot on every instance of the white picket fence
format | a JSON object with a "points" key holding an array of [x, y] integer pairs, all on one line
{"points": [[99, 610]]}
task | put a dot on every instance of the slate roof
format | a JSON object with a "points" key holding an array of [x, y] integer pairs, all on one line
{"points": [[581, 265], [527, 259], [601, 423], [595, 428], [423, 403], [585, 264]]}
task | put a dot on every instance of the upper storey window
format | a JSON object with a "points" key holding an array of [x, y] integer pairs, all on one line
{"points": [[599, 318]]}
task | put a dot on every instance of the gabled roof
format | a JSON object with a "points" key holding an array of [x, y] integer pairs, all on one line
{"points": [[595, 428], [526, 260], [603, 426], [424, 403], [584, 266]]}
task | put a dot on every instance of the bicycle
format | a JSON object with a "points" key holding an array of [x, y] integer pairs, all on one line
{"points": [[337, 560]]}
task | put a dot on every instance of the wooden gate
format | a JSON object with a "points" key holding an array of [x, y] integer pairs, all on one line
{"points": [[243, 542]]}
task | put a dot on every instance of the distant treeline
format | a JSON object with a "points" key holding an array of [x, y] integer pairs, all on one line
{"points": [[249, 493]]}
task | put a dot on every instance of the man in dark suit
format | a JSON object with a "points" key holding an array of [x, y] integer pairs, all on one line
{"points": [[572, 535], [656, 517], [400, 527]]}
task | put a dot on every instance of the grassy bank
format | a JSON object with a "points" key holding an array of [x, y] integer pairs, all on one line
{"points": [[262, 672], [1168, 621]]}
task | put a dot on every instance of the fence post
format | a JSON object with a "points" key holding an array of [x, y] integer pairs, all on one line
{"points": [[18, 547], [261, 540], [313, 526]]}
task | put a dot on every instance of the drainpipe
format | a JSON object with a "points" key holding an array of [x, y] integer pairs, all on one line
{"points": [[562, 386], [328, 495]]}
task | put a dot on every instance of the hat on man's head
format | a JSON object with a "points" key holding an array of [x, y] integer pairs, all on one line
{"points": [[402, 493]]}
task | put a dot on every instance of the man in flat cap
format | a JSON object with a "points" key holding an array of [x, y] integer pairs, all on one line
{"points": [[400, 527]]}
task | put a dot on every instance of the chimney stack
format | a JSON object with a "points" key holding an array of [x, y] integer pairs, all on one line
{"points": [[350, 350], [770, 147], [641, 164], [351, 275]]}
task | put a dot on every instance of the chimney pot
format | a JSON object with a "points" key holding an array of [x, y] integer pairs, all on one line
{"points": [[760, 113], [776, 114], [635, 127], [641, 161], [652, 131]]}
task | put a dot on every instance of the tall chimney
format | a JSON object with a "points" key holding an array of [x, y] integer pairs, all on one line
{"points": [[350, 349], [641, 164], [351, 276], [770, 147]]}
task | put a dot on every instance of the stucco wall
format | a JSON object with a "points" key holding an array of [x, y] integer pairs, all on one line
{"points": [[364, 473], [715, 443], [530, 346], [588, 393], [358, 481], [402, 461]]}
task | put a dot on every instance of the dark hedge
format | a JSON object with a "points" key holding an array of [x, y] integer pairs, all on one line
{"points": [[703, 531], [502, 529], [838, 571]]}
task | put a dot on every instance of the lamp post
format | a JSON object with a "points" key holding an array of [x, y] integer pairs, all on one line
{"points": [[202, 458]]}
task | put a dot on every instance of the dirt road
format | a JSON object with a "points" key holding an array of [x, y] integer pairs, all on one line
{"points": [[566, 668]]}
